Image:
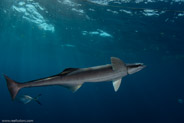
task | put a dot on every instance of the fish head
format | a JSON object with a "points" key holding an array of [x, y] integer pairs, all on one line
{"points": [[24, 99], [133, 68]]}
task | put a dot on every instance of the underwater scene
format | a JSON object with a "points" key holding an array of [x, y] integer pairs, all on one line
{"points": [[92, 61]]}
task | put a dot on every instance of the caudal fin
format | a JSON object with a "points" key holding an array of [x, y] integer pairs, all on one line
{"points": [[13, 87], [36, 99], [38, 102]]}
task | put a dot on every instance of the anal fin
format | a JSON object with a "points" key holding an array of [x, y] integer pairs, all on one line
{"points": [[72, 87]]}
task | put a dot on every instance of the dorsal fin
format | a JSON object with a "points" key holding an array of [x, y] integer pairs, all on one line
{"points": [[68, 70], [118, 65]]}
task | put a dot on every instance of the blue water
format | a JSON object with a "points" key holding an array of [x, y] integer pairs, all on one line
{"points": [[43, 37]]}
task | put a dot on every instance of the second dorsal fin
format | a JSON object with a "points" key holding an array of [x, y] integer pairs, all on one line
{"points": [[68, 70]]}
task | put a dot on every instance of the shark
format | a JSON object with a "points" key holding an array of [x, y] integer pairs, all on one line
{"points": [[74, 78]]}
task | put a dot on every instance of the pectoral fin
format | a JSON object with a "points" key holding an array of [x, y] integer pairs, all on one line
{"points": [[116, 84]]}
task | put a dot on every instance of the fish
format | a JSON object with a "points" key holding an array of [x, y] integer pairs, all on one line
{"points": [[25, 99], [74, 78]]}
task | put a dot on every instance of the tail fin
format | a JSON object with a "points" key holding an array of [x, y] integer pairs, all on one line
{"points": [[38, 102], [36, 99], [13, 87]]}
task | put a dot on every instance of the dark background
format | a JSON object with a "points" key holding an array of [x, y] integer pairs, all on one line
{"points": [[152, 95]]}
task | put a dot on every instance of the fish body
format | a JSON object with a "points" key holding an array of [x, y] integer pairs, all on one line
{"points": [[73, 78], [25, 99]]}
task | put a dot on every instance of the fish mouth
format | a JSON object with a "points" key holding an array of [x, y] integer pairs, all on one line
{"points": [[141, 65], [138, 65], [144, 66], [133, 68]]}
